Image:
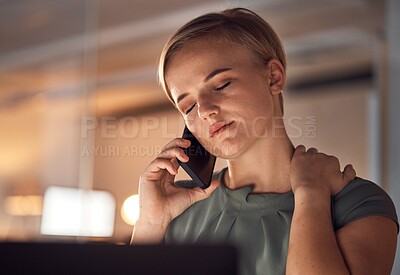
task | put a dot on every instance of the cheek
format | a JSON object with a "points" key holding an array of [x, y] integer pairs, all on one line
{"points": [[196, 125], [191, 121], [262, 104]]}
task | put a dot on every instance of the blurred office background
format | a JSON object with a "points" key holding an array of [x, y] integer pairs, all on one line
{"points": [[81, 113]]}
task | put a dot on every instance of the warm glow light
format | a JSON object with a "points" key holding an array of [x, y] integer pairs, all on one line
{"points": [[130, 210], [23, 205], [77, 212]]}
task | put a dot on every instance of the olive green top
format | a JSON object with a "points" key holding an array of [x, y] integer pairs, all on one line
{"points": [[258, 224]]}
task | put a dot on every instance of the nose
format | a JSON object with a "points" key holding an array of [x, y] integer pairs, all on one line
{"points": [[207, 109]]}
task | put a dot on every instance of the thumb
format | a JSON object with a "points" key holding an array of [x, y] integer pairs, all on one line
{"points": [[201, 194], [349, 173]]}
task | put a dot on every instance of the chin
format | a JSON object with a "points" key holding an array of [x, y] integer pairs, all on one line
{"points": [[227, 150]]}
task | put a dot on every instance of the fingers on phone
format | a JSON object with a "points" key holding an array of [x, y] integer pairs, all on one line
{"points": [[164, 164], [169, 155], [175, 163], [174, 152], [178, 142]]}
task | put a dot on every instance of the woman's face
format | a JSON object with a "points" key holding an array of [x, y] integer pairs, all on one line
{"points": [[223, 96]]}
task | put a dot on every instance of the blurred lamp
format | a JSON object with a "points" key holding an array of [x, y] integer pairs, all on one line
{"points": [[130, 210], [77, 212], [23, 205]]}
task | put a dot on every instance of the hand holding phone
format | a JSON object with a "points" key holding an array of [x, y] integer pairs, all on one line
{"points": [[163, 201], [201, 163]]}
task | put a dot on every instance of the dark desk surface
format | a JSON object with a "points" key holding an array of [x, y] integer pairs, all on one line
{"points": [[66, 258]]}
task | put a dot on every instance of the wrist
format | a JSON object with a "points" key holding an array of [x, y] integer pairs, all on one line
{"points": [[312, 196], [147, 232], [156, 220]]}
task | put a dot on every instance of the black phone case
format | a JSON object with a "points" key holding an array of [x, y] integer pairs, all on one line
{"points": [[201, 163]]}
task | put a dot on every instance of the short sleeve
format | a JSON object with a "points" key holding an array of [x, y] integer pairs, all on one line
{"points": [[361, 198]]}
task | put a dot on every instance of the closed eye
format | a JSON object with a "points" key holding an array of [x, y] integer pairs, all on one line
{"points": [[188, 110], [220, 88]]}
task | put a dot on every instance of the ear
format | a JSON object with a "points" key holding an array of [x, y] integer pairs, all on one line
{"points": [[276, 75]]}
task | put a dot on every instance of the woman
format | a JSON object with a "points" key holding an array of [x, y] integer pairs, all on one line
{"points": [[225, 73]]}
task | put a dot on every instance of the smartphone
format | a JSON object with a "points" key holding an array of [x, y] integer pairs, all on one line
{"points": [[201, 163]]}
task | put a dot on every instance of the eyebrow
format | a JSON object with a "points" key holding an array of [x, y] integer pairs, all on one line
{"points": [[208, 77], [215, 72], [180, 97]]}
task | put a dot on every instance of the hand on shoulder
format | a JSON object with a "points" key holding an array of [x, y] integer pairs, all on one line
{"points": [[317, 171]]}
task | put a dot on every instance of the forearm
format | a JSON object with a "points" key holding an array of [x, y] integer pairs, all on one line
{"points": [[312, 245], [148, 233]]}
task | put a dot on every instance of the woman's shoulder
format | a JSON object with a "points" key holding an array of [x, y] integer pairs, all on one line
{"points": [[361, 198]]}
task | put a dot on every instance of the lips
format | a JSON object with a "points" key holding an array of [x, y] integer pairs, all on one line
{"points": [[218, 128]]}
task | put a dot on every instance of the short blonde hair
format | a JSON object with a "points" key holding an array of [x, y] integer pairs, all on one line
{"points": [[238, 25]]}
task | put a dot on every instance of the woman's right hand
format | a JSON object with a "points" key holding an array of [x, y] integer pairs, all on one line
{"points": [[160, 199]]}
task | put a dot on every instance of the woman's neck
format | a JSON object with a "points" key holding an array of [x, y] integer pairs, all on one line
{"points": [[265, 166]]}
